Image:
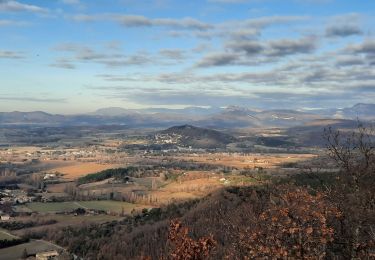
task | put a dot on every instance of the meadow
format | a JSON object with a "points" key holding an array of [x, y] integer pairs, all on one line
{"points": [[106, 205], [5, 235], [241, 161], [35, 246], [74, 170]]}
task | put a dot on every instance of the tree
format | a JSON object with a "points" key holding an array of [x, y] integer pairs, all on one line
{"points": [[186, 248], [353, 191], [24, 254], [354, 154], [295, 225]]}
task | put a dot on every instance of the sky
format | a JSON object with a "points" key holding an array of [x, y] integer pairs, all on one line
{"points": [[76, 56]]}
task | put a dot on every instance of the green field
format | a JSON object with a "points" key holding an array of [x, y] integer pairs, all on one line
{"points": [[106, 205], [52, 206], [4, 235], [21, 208], [15, 252]]}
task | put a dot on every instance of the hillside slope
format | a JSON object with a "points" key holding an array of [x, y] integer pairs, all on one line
{"points": [[197, 137]]}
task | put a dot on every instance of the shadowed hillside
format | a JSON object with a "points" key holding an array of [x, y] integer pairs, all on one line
{"points": [[197, 137]]}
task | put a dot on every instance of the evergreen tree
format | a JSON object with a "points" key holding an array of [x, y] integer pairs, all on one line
{"points": [[24, 254]]}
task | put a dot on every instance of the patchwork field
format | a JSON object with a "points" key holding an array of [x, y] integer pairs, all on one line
{"points": [[74, 170], [155, 191], [58, 187], [63, 221], [187, 187], [52, 206], [113, 206], [244, 161]]}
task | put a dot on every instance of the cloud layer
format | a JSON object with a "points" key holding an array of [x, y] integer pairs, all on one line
{"points": [[15, 6], [213, 52]]}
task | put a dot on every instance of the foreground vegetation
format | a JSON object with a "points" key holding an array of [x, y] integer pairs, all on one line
{"points": [[315, 208], [311, 216]]}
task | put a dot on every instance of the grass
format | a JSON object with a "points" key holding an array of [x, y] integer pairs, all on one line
{"points": [[66, 220], [22, 208], [4, 235], [15, 252], [52, 206], [106, 205], [243, 179]]}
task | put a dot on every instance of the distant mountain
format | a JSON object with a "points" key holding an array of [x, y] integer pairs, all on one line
{"points": [[312, 133], [233, 117], [113, 111], [188, 111], [361, 111], [104, 117], [243, 117], [197, 137], [36, 117], [285, 118], [230, 117]]}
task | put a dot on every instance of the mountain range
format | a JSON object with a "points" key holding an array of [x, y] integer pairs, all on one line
{"points": [[232, 116]]}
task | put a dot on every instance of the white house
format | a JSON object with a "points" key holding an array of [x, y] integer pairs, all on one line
{"points": [[5, 217]]}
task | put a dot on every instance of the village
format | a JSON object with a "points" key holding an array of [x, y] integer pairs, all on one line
{"points": [[48, 186]]}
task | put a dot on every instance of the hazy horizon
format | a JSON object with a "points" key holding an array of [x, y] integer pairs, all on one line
{"points": [[77, 56], [209, 108]]}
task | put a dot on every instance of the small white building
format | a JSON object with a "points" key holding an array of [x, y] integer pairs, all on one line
{"points": [[49, 176], [53, 254], [5, 217]]}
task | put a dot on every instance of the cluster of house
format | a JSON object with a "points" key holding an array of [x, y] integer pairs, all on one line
{"points": [[60, 154], [66, 155], [167, 138], [15, 196]]}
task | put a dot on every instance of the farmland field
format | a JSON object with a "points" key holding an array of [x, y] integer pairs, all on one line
{"points": [[74, 170], [63, 221], [244, 161], [114, 206], [5, 235], [15, 252], [52, 206]]}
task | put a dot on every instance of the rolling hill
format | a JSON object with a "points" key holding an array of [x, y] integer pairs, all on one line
{"points": [[197, 137]]}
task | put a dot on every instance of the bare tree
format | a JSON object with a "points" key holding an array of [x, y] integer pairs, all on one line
{"points": [[354, 191], [354, 153]]}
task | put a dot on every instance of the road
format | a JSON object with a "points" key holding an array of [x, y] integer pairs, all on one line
{"points": [[49, 243], [8, 234], [80, 205]]}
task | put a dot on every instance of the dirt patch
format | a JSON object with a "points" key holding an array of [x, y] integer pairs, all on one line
{"points": [[74, 170]]}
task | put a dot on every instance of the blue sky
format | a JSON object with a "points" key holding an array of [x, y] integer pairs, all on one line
{"points": [[75, 56]]}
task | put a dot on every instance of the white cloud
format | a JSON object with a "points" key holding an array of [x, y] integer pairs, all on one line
{"points": [[10, 55], [15, 6], [71, 2], [142, 21]]}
